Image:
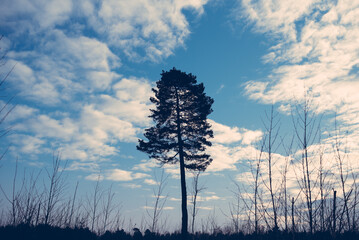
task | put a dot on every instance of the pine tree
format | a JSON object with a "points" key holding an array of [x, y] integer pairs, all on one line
{"points": [[181, 130]]}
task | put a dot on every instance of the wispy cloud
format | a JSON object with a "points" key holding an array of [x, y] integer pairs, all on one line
{"points": [[146, 165], [118, 175], [131, 185], [276, 17], [63, 66], [122, 175], [90, 105], [220, 88], [227, 157], [321, 56], [315, 52], [157, 27], [225, 135], [150, 182]]}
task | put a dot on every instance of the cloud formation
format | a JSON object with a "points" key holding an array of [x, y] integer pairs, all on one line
{"points": [[319, 61], [62, 67], [321, 56], [69, 67], [89, 135], [144, 29], [157, 27], [117, 175], [314, 55]]}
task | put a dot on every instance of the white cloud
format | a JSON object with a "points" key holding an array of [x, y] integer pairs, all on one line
{"points": [[147, 207], [131, 185], [146, 165], [34, 15], [225, 135], [97, 134], [140, 175], [86, 107], [244, 177], [77, 151], [101, 79], [175, 199], [18, 112], [168, 208], [319, 56], [160, 197], [250, 137], [164, 208], [222, 158], [95, 177], [120, 175], [226, 157], [81, 52], [150, 182], [88, 138], [158, 27], [44, 126], [209, 198], [103, 126], [205, 208], [53, 12], [277, 17], [220, 88], [62, 67], [83, 166], [27, 144], [131, 102], [123, 175], [133, 89], [172, 170]]}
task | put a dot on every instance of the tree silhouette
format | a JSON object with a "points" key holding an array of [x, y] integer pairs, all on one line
{"points": [[181, 130]]}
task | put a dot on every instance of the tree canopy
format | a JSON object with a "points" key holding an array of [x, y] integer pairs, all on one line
{"points": [[181, 114]]}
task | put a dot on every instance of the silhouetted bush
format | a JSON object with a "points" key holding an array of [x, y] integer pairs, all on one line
{"points": [[42, 232], [47, 232]]}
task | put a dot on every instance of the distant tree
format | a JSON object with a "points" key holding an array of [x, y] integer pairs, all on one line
{"points": [[93, 204], [272, 130], [159, 203], [181, 130], [55, 188], [306, 130], [196, 190]]}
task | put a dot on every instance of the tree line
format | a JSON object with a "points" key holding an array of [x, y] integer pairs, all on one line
{"points": [[310, 187]]}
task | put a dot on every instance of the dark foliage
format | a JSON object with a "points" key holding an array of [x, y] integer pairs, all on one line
{"points": [[180, 120], [42, 232], [46, 232]]}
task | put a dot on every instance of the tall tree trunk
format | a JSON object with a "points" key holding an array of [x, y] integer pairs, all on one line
{"points": [[293, 222], [270, 142], [334, 211], [184, 198], [196, 190], [184, 230]]}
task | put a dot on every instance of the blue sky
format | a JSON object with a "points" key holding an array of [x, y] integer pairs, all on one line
{"points": [[84, 71]]}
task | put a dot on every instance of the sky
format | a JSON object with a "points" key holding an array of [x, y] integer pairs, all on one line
{"points": [[83, 73]]}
